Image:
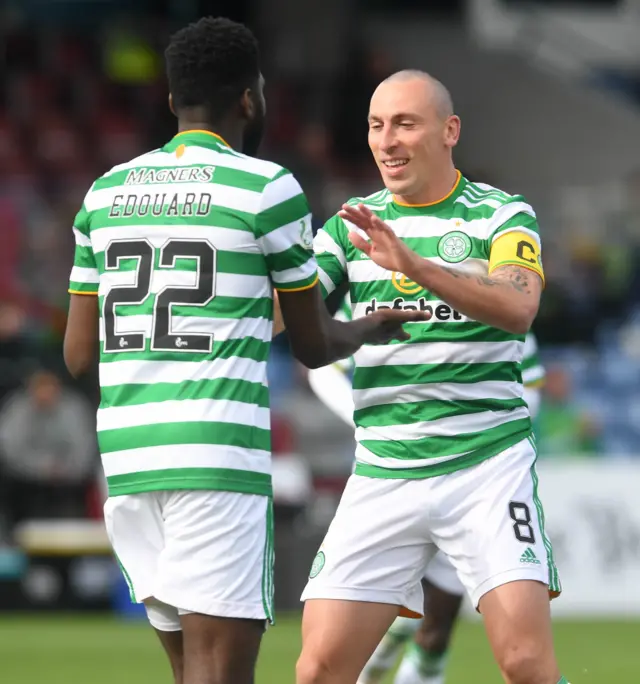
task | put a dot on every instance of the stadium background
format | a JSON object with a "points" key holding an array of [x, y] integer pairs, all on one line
{"points": [[549, 94]]}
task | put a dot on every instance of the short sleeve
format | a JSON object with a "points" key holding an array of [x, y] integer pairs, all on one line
{"points": [[331, 256], [84, 278], [283, 232], [515, 238]]}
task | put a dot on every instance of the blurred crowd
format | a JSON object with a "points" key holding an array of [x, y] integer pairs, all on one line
{"points": [[72, 105]]}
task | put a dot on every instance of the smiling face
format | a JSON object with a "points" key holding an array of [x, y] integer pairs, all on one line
{"points": [[411, 134]]}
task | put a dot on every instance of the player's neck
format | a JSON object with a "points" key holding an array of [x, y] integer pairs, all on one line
{"points": [[231, 134], [433, 191]]}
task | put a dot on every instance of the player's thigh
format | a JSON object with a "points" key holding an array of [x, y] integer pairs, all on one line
{"points": [[517, 619], [217, 558], [338, 638], [220, 650], [491, 524], [135, 529], [377, 546]]}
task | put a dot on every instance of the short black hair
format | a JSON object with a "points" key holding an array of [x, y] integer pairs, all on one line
{"points": [[211, 63]]}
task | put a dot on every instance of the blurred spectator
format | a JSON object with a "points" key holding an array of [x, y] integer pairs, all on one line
{"points": [[47, 449], [564, 430]]}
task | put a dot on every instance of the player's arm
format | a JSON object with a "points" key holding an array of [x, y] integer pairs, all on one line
{"points": [[283, 230], [507, 298], [82, 332]]}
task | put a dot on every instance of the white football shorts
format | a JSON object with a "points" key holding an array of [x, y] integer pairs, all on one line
{"points": [[208, 552], [487, 519]]}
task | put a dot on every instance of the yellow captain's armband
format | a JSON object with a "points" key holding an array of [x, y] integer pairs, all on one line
{"points": [[516, 249]]}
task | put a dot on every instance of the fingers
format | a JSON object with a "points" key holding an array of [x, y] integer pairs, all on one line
{"points": [[360, 243]]}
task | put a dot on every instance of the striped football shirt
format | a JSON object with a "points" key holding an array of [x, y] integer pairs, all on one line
{"points": [[182, 247], [451, 396]]}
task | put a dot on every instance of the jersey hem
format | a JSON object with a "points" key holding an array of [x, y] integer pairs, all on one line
{"points": [[212, 479], [446, 468]]}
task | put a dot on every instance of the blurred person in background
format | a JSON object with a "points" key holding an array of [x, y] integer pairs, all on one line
{"points": [[47, 449], [182, 246], [425, 660], [441, 418], [563, 429]]}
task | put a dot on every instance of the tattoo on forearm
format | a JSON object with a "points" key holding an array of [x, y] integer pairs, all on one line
{"points": [[513, 276]]}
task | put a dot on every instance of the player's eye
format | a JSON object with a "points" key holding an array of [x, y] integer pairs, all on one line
{"points": [[375, 126], [407, 124]]}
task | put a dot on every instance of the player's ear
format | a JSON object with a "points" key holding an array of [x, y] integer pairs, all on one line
{"points": [[171, 107], [247, 105], [452, 131]]}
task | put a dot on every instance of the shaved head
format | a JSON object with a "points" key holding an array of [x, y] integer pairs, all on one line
{"points": [[412, 132], [438, 92]]}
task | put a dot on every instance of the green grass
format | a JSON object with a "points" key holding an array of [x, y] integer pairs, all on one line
{"points": [[95, 650]]}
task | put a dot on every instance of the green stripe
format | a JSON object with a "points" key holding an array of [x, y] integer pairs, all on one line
{"points": [[434, 470], [293, 209], [89, 288], [220, 307], [293, 257], [253, 393], [522, 219], [297, 284], [84, 257], [368, 377], [268, 566], [435, 447], [127, 579], [237, 263], [162, 434], [247, 348], [170, 479], [554, 578], [417, 411]]}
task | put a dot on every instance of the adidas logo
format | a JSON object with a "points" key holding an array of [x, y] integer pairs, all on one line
{"points": [[529, 557]]}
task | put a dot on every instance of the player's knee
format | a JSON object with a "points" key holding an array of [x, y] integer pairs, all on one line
{"points": [[312, 670], [434, 638], [525, 664]]}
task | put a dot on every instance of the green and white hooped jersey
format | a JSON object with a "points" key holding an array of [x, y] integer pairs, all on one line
{"points": [[451, 396], [183, 246]]}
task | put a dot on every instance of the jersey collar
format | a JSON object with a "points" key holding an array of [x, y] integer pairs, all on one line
{"points": [[200, 138], [433, 207]]}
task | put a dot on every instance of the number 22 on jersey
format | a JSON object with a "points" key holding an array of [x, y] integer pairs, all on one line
{"points": [[163, 337]]}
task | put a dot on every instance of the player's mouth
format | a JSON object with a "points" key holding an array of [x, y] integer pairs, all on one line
{"points": [[395, 167]]}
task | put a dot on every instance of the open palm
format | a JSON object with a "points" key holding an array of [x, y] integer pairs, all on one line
{"points": [[385, 248]]}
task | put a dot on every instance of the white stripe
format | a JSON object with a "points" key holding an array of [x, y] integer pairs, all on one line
{"points": [[220, 195], [150, 372], [283, 238], [280, 190], [451, 426], [183, 411], [79, 274], [195, 154], [429, 226], [323, 242], [326, 281], [226, 284], [226, 239], [518, 229], [468, 203], [442, 391], [472, 191], [220, 328], [292, 275], [365, 270], [439, 352], [363, 455], [532, 375], [192, 456], [81, 240]]}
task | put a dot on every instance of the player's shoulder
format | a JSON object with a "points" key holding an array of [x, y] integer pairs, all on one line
{"points": [[267, 170], [488, 201], [377, 201]]}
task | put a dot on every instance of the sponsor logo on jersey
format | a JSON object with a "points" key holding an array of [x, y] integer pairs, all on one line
{"points": [[404, 285], [439, 311], [178, 174], [454, 247]]}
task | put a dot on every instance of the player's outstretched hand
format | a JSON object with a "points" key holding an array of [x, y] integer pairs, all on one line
{"points": [[385, 248], [386, 325]]}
